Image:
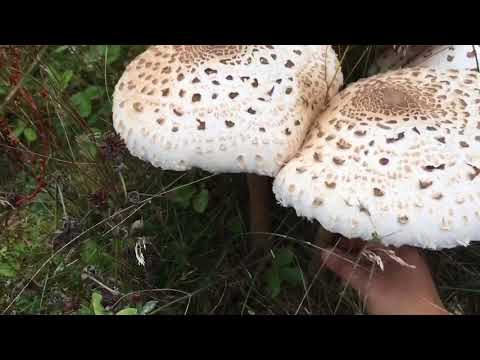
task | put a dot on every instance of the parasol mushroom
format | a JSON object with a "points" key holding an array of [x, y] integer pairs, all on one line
{"points": [[395, 158], [225, 109]]}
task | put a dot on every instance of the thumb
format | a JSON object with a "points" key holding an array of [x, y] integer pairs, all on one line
{"points": [[346, 268]]}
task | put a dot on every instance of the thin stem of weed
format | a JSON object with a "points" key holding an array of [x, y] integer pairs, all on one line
{"points": [[98, 282], [105, 74]]}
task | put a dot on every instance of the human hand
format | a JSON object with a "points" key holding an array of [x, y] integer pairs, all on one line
{"points": [[398, 290]]}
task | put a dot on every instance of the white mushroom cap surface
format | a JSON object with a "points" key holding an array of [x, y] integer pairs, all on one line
{"points": [[223, 108], [460, 57], [443, 57], [396, 155]]}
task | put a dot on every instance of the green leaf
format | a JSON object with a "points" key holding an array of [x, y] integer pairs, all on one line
{"points": [[292, 275], [128, 311], [30, 134], [7, 270], [235, 225], [113, 53], [19, 128], [273, 281], [148, 307], [183, 195], [95, 53], [3, 90], [82, 103], [283, 257], [200, 201], [97, 306], [94, 254], [66, 78], [90, 252], [61, 49], [93, 92]]}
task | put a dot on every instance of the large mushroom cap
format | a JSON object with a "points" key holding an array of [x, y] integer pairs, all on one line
{"points": [[396, 155], [232, 108]]}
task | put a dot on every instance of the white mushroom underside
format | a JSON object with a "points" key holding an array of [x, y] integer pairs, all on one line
{"points": [[249, 113], [368, 181]]}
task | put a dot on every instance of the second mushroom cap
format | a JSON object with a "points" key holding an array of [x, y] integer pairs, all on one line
{"points": [[396, 157]]}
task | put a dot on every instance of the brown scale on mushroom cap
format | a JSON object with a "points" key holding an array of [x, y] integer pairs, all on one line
{"points": [[183, 106], [395, 165], [194, 54]]}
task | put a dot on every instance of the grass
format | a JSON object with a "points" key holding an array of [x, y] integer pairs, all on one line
{"points": [[72, 247]]}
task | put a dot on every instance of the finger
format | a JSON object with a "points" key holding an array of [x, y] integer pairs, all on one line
{"points": [[346, 268], [409, 255], [350, 245]]}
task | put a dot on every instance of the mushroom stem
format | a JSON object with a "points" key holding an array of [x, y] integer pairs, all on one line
{"points": [[322, 239], [260, 196]]}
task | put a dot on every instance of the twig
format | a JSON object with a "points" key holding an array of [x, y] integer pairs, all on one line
{"points": [[220, 300], [43, 292], [105, 74], [110, 290], [65, 216]]}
